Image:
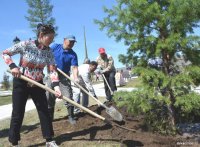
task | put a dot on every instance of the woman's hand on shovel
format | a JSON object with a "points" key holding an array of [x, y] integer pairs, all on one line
{"points": [[16, 72], [58, 92]]}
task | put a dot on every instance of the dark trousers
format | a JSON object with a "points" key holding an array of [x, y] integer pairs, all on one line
{"points": [[66, 89], [19, 98], [110, 77]]}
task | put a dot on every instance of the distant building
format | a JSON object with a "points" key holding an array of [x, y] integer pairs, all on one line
{"points": [[16, 40]]}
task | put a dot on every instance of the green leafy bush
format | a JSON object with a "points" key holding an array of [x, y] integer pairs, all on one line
{"points": [[163, 99]]}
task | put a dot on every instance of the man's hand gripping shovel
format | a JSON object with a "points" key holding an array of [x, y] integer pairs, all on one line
{"points": [[116, 115]]}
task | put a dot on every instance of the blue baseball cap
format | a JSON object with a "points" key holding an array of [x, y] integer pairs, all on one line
{"points": [[71, 38]]}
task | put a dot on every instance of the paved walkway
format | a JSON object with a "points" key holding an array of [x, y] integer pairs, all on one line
{"points": [[5, 93], [5, 110]]}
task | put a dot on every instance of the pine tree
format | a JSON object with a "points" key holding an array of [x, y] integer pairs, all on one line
{"points": [[5, 83], [164, 29], [40, 11]]}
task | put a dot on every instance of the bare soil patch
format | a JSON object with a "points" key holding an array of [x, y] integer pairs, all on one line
{"points": [[91, 131]]}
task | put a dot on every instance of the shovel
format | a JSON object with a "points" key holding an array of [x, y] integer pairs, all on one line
{"points": [[72, 102], [116, 115], [63, 97], [111, 92]]}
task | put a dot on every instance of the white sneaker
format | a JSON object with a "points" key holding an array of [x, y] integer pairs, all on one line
{"points": [[51, 144], [77, 110]]}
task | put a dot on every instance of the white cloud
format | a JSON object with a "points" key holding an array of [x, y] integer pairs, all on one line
{"points": [[21, 31]]}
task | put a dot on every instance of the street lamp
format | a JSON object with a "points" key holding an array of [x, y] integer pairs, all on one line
{"points": [[16, 40], [86, 60]]}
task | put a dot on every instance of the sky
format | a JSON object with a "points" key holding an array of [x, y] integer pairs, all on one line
{"points": [[71, 18]]}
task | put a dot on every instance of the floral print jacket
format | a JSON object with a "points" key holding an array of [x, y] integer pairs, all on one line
{"points": [[33, 59]]}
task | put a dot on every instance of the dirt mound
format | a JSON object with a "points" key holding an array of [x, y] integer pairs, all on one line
{"points": [[90, 130]]}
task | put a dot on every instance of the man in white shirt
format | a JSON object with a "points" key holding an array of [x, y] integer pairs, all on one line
{"points": [[85, 71]]}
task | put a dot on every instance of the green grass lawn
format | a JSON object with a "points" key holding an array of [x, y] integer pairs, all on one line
{"points": [[133, 83], [4, 100]]}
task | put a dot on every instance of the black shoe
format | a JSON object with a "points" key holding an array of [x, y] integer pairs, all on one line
{"points": [[99, 110], [71, 120]]}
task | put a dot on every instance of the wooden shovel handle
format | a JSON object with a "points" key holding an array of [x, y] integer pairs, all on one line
{"points": [[81, 87], [111, 92], [63, 97]]}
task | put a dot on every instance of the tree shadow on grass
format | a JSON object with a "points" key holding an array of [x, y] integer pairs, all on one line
{"points": [[24, 129], [131, 143], [92, 131], [4, 133]]}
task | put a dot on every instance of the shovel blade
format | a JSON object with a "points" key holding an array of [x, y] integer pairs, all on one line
{"points": [[116, 115]]}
